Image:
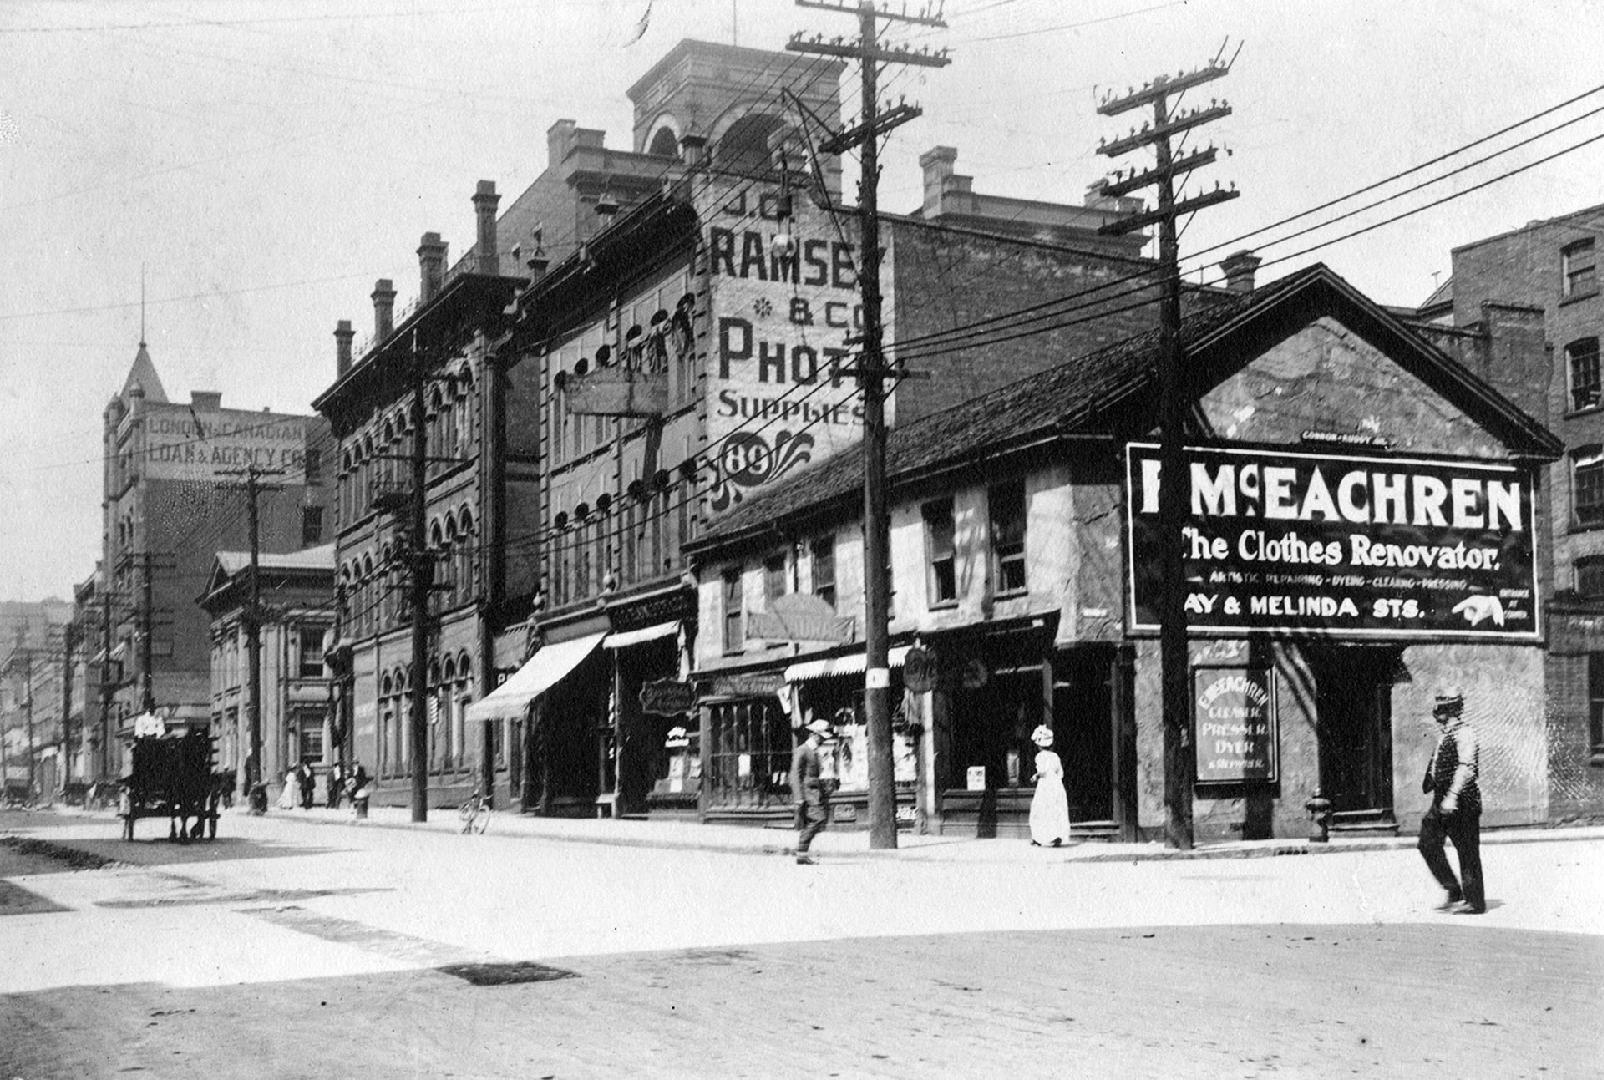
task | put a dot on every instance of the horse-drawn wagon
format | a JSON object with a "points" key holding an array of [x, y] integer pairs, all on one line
{"points": [[171, 776]]}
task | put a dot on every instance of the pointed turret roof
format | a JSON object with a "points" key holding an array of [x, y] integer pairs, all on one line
{"points": [[143, 375]]}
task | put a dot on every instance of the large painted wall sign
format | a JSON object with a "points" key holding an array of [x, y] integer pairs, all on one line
{"points": [[777, 395], [1348, 546]]}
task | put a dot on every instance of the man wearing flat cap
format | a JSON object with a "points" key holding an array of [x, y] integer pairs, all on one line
{"points": [[1455, 812], [812, 802]]}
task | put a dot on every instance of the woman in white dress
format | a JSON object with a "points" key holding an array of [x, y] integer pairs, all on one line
{"points": [[1049, 807], [286, 798]]}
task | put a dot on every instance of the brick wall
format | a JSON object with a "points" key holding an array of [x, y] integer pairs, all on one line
{"points": [[949, 278]]}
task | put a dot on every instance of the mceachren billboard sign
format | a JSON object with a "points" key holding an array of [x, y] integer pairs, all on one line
{"points": [[1355, 546]]}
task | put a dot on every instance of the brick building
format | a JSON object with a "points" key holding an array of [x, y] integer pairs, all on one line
{"points": [[1330, 446], [1538, 286], [174, 495]]}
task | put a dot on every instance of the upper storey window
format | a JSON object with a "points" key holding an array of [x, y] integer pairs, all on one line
{"points": [[1576, 270], [1582, 368]]}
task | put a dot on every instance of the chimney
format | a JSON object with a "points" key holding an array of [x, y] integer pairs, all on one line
{"points": [[559, 137], [342, 345], [383, 309], [1239, 269], [205, 400], [937, 164], [431, 265], [485, 201], [693, 148]]}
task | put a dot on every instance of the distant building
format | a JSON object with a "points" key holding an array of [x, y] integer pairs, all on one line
{"points": [[298, 719], [174, 496], [1539, 286], [32, 735]]}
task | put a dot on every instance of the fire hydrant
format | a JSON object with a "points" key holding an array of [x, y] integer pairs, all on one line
{"points": [[1319, 809]]}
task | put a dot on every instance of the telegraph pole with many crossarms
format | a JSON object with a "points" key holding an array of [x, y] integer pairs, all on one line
{"points": [[872, 371], [1174, 393], [253, 628]]}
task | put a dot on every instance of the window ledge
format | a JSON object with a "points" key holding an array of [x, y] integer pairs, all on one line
{"points": [[1585, 410], [944, 605], [1013, 594], [1577, 298], [1595, 759], [1585, 527]]}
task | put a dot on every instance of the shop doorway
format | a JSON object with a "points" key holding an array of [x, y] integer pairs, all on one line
{"points": [[1083, 723], [1353, 721]]}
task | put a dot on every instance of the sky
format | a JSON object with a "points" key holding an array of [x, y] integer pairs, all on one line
{"points": [[262, 163]]}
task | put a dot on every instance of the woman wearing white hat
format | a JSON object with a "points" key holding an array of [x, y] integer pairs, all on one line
{"points": [[1049, 807]]}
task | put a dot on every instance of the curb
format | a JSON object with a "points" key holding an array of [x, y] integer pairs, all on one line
{"points": [[933, 852]]}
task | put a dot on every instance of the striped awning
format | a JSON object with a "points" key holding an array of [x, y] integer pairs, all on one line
{"points": [[852, 664]]}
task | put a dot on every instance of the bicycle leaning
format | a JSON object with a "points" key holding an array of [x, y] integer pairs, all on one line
{"points": [[475, 813]]}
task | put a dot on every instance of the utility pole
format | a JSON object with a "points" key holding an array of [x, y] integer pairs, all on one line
{"points": [[1174, 396], [69, 641], [872, 372], [147, 618], [253, 626], [27, 707], [107, 686], [422, 576]]}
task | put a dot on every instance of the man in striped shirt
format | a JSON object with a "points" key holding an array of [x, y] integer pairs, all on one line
{"points": [[1455, 812]]}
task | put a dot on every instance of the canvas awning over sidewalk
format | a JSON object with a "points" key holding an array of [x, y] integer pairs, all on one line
{"points": [[543, 671]]}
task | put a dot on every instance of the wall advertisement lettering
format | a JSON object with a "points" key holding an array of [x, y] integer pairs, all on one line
{"points": [[1234, 718], [207, 445], [778, 395], [1350, 546]]}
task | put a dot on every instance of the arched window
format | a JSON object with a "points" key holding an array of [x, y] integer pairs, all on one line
{"points": [[437, 549], [449, 560], [368, 590], [468, 558]]}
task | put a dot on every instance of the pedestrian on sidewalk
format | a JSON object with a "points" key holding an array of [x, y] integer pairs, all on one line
{"points": [[336, 780], [308, 780], [1455, 811], [807, 789], [1049, 806], [286, 798]]}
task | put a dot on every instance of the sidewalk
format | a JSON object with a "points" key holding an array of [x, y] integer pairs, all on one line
{"points": [[751, 840]]}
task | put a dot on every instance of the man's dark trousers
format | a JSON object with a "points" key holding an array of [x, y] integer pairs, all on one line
{"points": [[810, 822], [1464, 829]]}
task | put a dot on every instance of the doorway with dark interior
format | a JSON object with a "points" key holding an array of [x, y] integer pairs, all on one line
{"points": [[1353, 724]]}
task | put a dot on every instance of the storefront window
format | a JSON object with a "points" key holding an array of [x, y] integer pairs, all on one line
{"points": [[751, 755]]}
